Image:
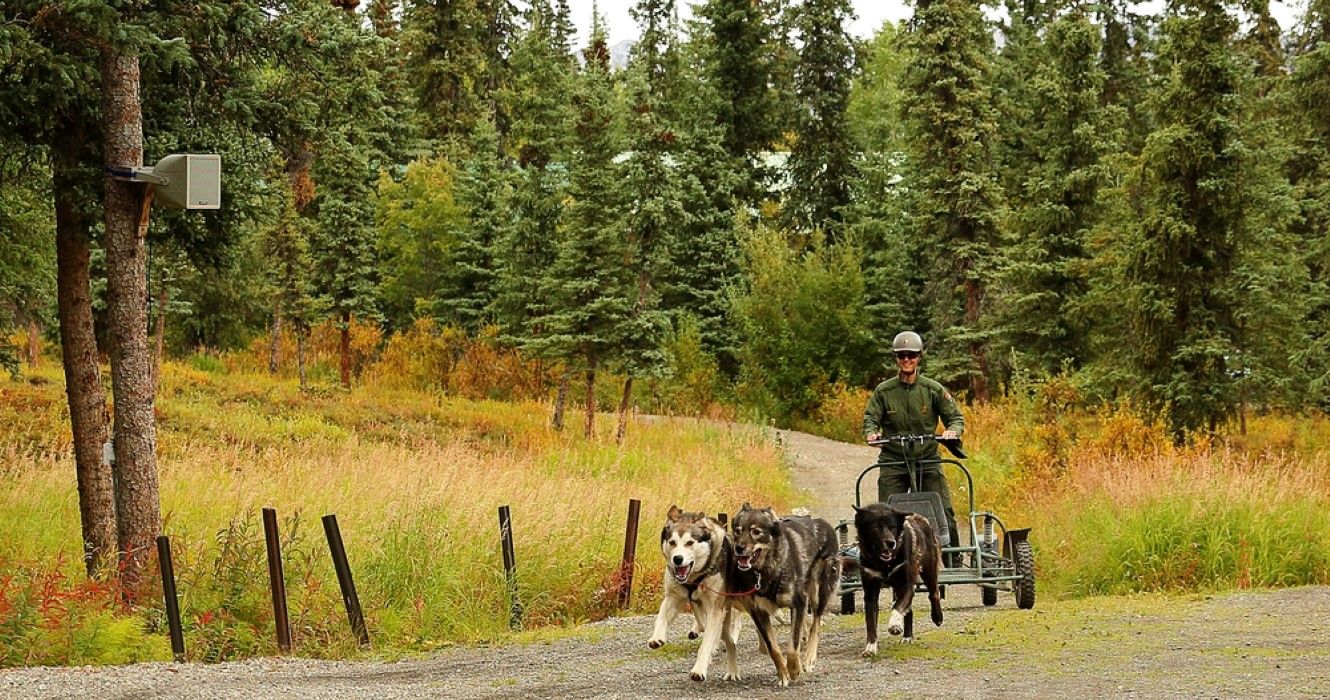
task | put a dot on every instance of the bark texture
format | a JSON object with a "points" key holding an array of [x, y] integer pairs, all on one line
{"points": [[138, 509], [83, 375]]}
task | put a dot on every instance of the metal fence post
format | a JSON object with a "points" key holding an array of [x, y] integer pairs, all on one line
{"points": [[353, 611], [515, 611], [169, 595], [276, 580], [629, 553]]}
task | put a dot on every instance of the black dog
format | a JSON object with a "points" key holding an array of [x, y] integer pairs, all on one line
{"points": [[898, 549], [783, 563]]}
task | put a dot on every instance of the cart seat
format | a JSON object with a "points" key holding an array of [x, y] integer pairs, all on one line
{"points": [[927, 504]]}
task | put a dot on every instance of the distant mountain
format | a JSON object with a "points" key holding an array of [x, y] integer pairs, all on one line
{"points": [[619, 54]]}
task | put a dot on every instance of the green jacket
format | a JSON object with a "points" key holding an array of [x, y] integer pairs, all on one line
{"points": [[897, 408]]}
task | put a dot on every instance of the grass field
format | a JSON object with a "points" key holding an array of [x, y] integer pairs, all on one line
{"points": [[415, 479]]}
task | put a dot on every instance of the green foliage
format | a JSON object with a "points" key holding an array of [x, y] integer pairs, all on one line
{"points": [[741, 59], [540, 98], [879, 218], [956, 199], [593, 291], [1187, 202], [467, 284], [1173, 543], [1054, 150], [800, 322], [419, 221], [822, 158]]}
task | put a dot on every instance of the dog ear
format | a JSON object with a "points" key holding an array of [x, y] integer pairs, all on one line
{"points": [[704, 535], [775, 528], [746, 507], [674, 513], [857, 509]]}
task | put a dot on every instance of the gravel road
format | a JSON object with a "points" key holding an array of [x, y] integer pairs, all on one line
{"points": [[1245, 644]]}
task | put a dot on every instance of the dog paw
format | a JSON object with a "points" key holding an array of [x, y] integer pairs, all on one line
{"points": [[793, 666], [896, 625], [736, 676], [698, 676], [656, 643], [693, 634], [907, 640], [870, 650]]}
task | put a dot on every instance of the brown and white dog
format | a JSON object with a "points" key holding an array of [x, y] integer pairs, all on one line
{"points": [[783, 563], [695, 549], [899, 550]]}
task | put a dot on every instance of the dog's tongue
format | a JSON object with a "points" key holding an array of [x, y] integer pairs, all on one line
{"points": [[681, 572], [745, 562]]}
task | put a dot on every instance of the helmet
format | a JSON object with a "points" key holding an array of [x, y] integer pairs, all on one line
{"points": [[907, 341]]}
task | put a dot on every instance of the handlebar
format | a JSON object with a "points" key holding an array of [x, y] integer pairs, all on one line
{"points": [[953, 445]]}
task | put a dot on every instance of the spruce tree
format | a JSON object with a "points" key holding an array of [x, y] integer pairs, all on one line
{"points": [[1055, 144], [445, 40], [540, 101], [879, 218], [1183, 250], [467, 290], [593, 291], [1308, 100], [703, 262], [741, 65], [821, 164], [952, 124]]}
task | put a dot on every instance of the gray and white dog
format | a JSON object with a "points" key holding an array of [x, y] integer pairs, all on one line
{"points": [[779, 563], [695, 549]]}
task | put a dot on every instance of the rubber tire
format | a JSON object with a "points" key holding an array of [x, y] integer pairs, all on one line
{"points": [[1023, 556], [847, 603], [988, 596]]}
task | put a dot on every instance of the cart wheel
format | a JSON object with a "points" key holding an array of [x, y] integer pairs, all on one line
{"points": [[988, 595], [847, 603], [1023, 556]]}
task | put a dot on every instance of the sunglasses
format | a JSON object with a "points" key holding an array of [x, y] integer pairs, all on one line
{"points": [[907, 355]]}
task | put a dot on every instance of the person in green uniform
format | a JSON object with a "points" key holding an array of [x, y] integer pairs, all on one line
{"points": [[912, 404]]}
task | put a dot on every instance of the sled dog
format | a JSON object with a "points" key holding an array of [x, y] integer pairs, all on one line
{"points": [[694, 547], [899, 550], [783, 563]]}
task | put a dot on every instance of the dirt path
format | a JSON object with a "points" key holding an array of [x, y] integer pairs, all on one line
{"points": [[1248, 644]]}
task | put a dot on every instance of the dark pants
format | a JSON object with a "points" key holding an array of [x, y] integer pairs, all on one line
{"points": [[893, 480]]}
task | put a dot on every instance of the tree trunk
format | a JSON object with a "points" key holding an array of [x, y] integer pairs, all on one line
{"points": [[34, 341], [346, 349], [301, 335], [138, 508], [590, 428], [978, 353], [560, 401], [159, 333], [621, 431], [83, 375], [276, 337]]}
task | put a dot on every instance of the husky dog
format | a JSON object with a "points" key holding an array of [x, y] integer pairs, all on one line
{"points": [[897, 549], [783, 563], [695, 548]]}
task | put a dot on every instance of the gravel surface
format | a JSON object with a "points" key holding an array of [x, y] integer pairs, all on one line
{"points": [[1247, 644]]}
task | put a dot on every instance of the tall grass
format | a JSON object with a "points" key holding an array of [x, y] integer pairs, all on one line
{"points": [[1116, 507], [415, 479]]}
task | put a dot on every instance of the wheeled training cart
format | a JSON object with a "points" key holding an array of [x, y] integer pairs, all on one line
{"points": [[981, 562]]}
